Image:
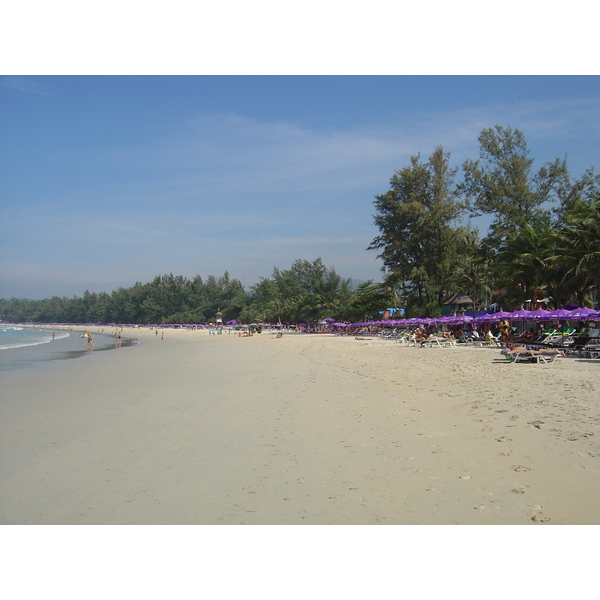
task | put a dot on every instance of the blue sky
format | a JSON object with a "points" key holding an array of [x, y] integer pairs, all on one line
{"points": [[106, 181]]}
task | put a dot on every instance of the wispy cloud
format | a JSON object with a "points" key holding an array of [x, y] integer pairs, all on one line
{"points": [[24, 84], [226, 191], [230, 154]]}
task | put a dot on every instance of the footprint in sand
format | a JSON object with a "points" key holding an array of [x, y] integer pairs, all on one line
{"points": [[504, 439], [518, 491], [540, 519], [522, 468]]}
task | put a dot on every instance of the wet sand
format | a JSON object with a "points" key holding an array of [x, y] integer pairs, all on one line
{"points": [[305, 429]]}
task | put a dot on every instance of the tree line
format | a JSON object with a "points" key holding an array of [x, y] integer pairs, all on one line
{"points": [[306, 292], [543, 242]]}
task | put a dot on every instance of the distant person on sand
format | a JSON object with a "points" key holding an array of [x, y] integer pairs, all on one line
{"points": [[90, 344]]}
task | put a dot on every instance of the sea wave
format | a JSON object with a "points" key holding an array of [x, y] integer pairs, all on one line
{"points": [[22, 343]]}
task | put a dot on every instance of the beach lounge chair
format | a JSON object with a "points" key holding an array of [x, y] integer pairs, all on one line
{"points": [[545, 358], [436, 342], [591, 348], [528, 355], [487, 342]]}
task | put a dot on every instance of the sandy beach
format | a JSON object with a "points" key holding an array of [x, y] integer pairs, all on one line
{"points": [[304, 429]]}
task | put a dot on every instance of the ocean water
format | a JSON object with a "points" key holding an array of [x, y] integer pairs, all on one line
{"points": [[32, 348]]}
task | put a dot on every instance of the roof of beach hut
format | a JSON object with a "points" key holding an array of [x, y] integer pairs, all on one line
{"points": [[458, 299]]}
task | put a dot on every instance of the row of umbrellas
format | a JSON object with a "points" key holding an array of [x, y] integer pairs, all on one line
{"points": [[561, 314]]}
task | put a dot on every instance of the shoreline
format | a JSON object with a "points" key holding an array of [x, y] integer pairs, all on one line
{"points": [[42, 355], [200, 429]]}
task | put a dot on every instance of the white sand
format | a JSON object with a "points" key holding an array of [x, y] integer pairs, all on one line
{"points": [[306, 429]]}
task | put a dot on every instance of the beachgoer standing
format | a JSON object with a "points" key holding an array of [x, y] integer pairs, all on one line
{"points": [[504, 329]]}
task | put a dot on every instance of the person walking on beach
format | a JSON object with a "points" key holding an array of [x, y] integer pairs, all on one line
{"points": [[90, 345]]}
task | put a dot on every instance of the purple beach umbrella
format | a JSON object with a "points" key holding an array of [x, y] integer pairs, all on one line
{"points": [[537, 315], [521, 315], [583, 314], [558, 315], [493, 317]]}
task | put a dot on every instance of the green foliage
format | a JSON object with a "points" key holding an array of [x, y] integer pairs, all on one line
{"points": [[306, 292], [502, 183], [530, 248], [527, 258], [415, 218], [578, 247], [367, 301]]}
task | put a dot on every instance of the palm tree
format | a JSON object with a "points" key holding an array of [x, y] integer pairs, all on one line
{"points": [[579, 245], [472, 273], [526, 260]]}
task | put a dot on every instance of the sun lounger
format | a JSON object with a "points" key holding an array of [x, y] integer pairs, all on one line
{"points": [[519, 357], [436, 342], [486, 343], [591, 349], [523, 354], [529, 356], [545, 358]]}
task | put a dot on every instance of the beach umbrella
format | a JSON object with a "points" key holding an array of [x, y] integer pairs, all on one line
{"points": [[443, 319], [465, 319], [486, 318], [423, 320], [501, 315], [583, 314], [536, 315], [559, 314], [520, 315], [453, 319], [491, 317]]}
